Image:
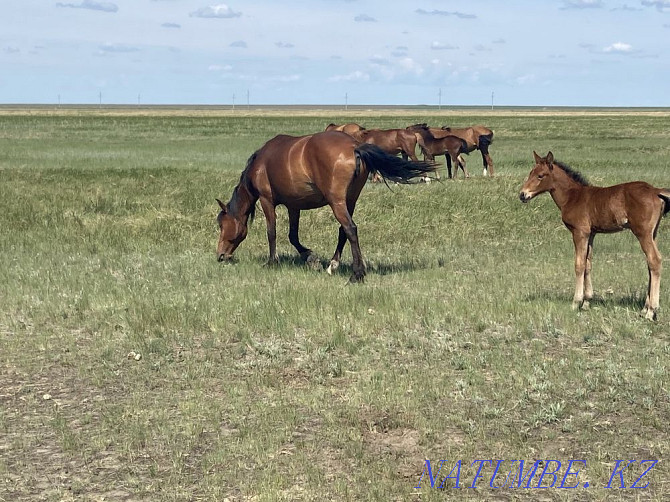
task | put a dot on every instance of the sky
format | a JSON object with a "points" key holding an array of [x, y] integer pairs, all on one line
{"points": [[376, 52]]}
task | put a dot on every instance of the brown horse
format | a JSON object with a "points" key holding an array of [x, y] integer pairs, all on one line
{"points": [[306, 172], [348, 128], [392, 141], [477, 138], [587, 210], [450, 146]]}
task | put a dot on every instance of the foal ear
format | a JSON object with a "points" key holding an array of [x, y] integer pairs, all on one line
{"points": [[550, 159], [222, 206], [538, 159]]}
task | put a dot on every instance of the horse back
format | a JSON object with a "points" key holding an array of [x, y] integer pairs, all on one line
{"points": [[300, 171]]}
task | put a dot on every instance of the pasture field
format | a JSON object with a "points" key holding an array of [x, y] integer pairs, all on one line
{"points": [[285, 383]]}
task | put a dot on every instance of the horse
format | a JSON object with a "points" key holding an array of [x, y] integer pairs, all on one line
{"points": [[450, 146], [348, 128], [392, 141], [477, 138], [588, 210], [306, 172]]}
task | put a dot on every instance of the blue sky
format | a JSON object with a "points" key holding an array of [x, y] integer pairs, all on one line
{"points": [[543, 52]]}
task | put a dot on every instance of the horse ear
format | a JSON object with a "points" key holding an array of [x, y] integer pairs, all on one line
{"points": [[223, 207], [550, 159], [538, 159]]}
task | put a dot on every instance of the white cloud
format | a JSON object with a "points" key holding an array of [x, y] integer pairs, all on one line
{"points": [[364, 18], [220, 11], [216, 67], [619, 48], [91, 5], [439, 46], [582, 4], [660, 5], [356, 76]]}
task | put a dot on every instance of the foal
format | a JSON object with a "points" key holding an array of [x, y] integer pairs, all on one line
{"points": [[587, 210]]}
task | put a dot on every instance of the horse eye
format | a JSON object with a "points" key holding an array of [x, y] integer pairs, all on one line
{"points": [[540, 176]]}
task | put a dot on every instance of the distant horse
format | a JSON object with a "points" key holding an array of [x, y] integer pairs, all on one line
{"points": [[348, 128], [307, 172], [450, 146], [392, 141], [478, 138], [587, 210]]}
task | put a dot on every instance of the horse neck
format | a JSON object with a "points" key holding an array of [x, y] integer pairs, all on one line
{"points": [[564, 188], [243, 202]]}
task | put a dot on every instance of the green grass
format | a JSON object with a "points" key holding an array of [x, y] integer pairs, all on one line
{"points": [[285, 383]]}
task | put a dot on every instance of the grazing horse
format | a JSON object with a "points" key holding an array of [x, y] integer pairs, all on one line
{"points": [[348, 128], [587, 210], [306, 172], [450, 146]]}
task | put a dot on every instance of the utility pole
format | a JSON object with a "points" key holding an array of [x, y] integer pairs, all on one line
{"points": [[138, 99], [439, 99], [247, 99], [491, 100], [346, 101], [233, 101], [100, 102]]}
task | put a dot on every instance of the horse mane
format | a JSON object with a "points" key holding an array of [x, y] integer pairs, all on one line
{"points": [[573, 174], [245, 183]]}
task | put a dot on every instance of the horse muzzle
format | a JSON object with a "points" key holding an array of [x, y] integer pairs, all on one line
{"points": [[524, 197], [225, 258]]}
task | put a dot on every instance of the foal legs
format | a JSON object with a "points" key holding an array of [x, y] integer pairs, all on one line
{"points": [[581, 241], [347, 226], [588, 287], [654, 265]]}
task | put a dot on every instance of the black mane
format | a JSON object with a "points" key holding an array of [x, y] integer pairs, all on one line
{"points": [[245, 182], [575, 175]]}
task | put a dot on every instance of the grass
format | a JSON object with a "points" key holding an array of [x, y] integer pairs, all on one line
{"points": [[285, 383]]}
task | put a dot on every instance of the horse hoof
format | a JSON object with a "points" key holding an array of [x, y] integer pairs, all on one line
{"points": [[576, 305], [357, 279], [650, 314], [586, 305], [334, 265]]}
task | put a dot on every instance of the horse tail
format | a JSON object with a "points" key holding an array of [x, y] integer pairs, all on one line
{"points": [[484, 141], [665, 197], [390, 167], [464, 147]]}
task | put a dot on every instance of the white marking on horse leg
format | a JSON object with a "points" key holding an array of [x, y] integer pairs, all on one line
{"points": [[334, 264]]}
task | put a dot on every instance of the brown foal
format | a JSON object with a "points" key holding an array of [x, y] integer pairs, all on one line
{"points": [[587, 210]]}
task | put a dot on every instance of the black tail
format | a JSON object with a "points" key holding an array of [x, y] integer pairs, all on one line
{"points": [[390, 167], [665, 196], [484, 142]]}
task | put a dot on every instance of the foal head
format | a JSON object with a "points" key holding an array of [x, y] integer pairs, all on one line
{"points": [[540, 179], [233, 232]]}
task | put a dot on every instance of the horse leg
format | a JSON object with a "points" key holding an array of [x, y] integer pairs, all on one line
{"points": [[271, 220], [448, 158], [654, 265], [581, 242], [341, 241], [335, 260], [294, 224], [461, 162], [588, 287], [343, 216]]}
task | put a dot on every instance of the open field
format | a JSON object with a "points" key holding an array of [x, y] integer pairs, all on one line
{"points": [[285, 383]]}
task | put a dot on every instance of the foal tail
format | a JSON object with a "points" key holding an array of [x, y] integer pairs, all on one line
{"points": [[664, 194], [484, 141], [390, 167]]}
